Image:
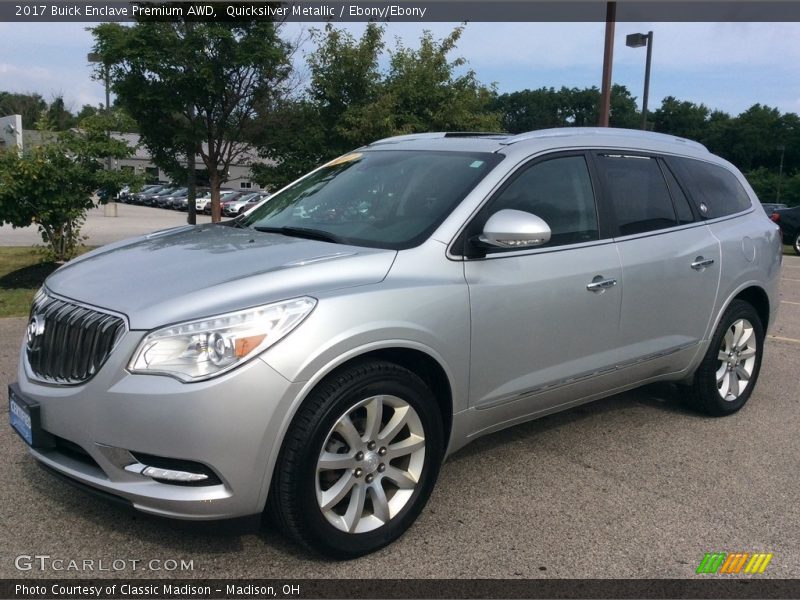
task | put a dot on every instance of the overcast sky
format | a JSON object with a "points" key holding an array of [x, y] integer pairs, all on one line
{"points": [[728, 66]]}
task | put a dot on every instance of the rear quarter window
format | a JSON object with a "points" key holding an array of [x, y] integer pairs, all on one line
{"points": [[715, 190]]}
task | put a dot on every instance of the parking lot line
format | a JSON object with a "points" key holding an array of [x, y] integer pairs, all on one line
{"points": [[783, 339], [787, 279], [790, 302]]}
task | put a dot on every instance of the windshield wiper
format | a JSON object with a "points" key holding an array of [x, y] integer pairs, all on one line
{"points": [[303, 232]]}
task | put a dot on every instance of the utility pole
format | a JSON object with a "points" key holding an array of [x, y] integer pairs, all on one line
{"points": [[608, 57], [110, 209], [191, 153], [191, 175]]}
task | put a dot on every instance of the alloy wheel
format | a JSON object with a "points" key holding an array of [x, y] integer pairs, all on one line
{"points": [[370, 464], [737, 360]]}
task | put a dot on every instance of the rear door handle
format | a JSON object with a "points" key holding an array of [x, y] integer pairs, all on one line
{"points": [[600, 285], [701, 263]]}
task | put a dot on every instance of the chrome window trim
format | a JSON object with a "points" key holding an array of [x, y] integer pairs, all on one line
{"points": [[451, 254]]}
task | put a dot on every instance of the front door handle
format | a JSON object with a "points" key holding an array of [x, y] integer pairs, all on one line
{"points": [[701, 263], [600, 285]]}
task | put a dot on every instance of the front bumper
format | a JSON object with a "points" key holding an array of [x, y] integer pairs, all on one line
{"points": [[228, 424]]}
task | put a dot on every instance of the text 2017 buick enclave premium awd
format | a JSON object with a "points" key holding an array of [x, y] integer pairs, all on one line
{"points": [[320, 355]]}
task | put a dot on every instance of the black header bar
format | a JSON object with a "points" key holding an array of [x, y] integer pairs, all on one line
{"points": [[422, 11]]}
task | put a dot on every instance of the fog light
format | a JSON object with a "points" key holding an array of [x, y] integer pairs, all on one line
{"points": [[165, 474]]}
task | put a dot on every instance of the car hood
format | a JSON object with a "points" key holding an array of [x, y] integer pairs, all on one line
{"points": [[191, 272]]}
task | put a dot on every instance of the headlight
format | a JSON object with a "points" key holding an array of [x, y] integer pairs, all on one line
{"points": [[202, 349]]}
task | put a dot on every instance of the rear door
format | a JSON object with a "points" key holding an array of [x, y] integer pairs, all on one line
{"points": [[670, 260]]}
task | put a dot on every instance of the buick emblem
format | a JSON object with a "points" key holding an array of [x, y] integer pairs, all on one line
{"points": [[35, 329]]}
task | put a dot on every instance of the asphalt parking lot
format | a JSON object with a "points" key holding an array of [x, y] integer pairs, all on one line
{"points": [[634, 486]]}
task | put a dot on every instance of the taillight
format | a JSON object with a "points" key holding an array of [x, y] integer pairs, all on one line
{"points": [[775, 217]]}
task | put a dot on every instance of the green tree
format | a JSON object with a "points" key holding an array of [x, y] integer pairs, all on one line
{"points": [[684, 119], [51, 185], [195, 88], [87, 110], [30, 106], [528, 110], [350, 101], [304, 131], [427, 94], [59, 116]]}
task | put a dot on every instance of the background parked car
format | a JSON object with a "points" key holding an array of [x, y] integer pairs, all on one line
{"points": [[771, 207], [152, 199], [788, 219], [182, 203], [166, 201], [258, 200], [203, 203], [224, 202], [123, 194], [236, 206], [138, 197]]}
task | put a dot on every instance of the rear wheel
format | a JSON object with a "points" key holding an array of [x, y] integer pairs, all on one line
{"points": [[359, 460], [797, 244], [725, 379]]}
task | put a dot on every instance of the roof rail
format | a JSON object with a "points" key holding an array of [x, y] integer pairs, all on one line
{"points": [[603, 132], [439, 134]]}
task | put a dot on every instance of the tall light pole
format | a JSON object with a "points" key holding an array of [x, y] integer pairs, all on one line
{"points": [[782, 148], [94, 57], [637, 40], [608, 57]]}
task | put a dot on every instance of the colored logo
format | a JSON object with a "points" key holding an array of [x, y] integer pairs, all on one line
{"points": [[734, 563]]}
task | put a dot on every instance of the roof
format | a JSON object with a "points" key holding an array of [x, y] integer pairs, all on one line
{"points": [[545, 139]]}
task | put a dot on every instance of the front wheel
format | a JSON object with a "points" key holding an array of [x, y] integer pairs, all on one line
{"points": [[359, 460], [725, 379]]}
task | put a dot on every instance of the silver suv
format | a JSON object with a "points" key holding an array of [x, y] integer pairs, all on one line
{"points": [[320, 355]]}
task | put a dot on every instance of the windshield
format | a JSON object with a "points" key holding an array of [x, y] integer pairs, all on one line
{"points": [[384, 198]]}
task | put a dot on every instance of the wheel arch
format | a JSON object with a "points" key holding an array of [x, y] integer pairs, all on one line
{"points": [[757, 297], [421, 361]]}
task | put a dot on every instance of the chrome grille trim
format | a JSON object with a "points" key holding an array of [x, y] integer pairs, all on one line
{"points": [[76, 341]]}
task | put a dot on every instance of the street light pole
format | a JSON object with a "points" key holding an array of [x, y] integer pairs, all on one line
{"points": [[637, 40], [782, 148], [94, 57]]}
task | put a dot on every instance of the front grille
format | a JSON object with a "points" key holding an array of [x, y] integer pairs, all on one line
{"points": [[68, 343]]}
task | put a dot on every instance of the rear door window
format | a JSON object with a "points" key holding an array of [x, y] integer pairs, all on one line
{"points": [[714, 189], [638, 193]]}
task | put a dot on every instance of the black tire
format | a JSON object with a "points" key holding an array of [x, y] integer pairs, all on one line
{"points": [[704, 394], [797, 244], [293, 493]]}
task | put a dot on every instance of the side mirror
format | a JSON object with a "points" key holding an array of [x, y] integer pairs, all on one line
{"points": [[515, 229]]}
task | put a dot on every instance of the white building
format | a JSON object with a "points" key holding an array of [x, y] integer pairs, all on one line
{"points": [[239, 175], [11, 132]]}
